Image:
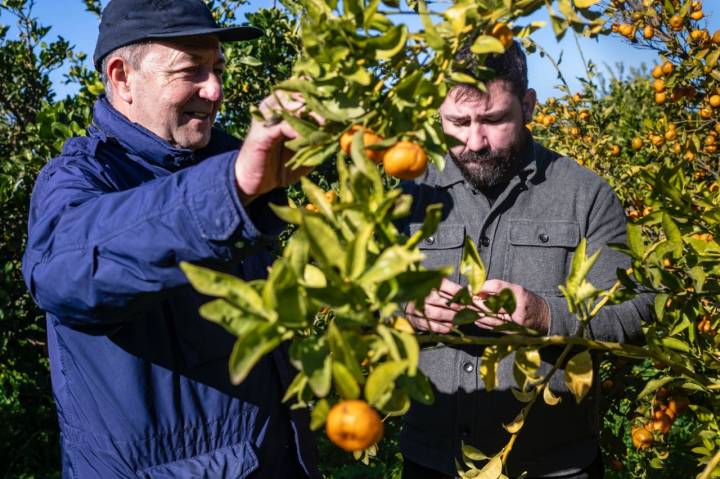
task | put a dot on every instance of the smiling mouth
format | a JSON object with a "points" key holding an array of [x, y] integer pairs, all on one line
{"points": [[198, 115]]}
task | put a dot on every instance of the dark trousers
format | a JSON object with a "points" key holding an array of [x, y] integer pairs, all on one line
{"points": [[412, 470]]}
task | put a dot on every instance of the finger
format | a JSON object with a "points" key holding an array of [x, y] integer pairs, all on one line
{"points": [[493, 286], [426, 324], [436, 313]]}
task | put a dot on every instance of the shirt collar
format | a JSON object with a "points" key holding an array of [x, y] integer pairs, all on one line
{"points": [[110, 123]]}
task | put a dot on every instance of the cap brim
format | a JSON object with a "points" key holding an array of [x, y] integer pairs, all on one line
{"points": [[226, 34]]}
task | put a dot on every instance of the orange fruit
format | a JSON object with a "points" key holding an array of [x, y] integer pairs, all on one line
{"points": [[659, 85], [405, 160], [627, 30], [636, 143], [696, 5], [648, 32], [678, 403], [661, 423], [676, 23], [353, 425], [670, 135], [502, 32], [660, 98], [715, 101], [657, 72], [706, 113], [667, 68], [615, 150], [716, 37], [641, 438], [697, 15], [369, 138]]}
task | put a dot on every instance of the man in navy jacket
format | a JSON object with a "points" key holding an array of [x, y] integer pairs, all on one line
{"points": [[140, 380]]}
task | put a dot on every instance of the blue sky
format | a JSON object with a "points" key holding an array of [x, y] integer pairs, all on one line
{"points": [[69, 19]]}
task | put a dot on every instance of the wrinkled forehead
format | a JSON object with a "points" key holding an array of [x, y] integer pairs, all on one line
{"points": [[200, 48]]}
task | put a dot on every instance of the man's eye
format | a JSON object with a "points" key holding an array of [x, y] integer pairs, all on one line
{"points": [[461, 123]]}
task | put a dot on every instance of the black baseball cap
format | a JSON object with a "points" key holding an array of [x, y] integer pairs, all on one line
{"points": [[129, 21]]}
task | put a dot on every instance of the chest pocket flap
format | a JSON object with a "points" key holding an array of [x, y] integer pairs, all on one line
{"points": [[549, 233], [447, 236]]}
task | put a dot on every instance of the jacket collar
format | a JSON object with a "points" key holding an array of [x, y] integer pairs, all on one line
{"points": [[108, 123], [451, 174]]}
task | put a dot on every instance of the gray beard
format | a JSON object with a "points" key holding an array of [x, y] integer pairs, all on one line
{"points": [[491, 168]]}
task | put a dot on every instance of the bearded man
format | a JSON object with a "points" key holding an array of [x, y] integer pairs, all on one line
{"points": [[140, 379], [526, 208]]}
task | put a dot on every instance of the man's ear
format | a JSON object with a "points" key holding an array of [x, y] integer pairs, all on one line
{"points": [[119, 75], [528, 105]]}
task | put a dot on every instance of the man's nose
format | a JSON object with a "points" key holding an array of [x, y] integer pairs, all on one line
{"points": [[211, 88], [477, 139]]}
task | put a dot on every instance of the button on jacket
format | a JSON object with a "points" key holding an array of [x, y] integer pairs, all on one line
{"points": [[140, 379], [526, 236]]}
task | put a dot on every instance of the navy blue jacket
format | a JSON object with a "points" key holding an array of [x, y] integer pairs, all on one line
{"points": [[140, 379]]}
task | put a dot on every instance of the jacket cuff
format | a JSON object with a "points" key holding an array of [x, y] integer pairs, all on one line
{"points": [[213, 202], [562, 321]]}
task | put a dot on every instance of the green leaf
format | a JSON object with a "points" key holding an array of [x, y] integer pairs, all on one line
{"points": [[250, 348], [287, 214], [550, 398], [342, 352], [579, 375], [233, 319], [388, 45], [492, 470], [393, 261], [485, 44], [433, 215], [319, 414], [345, 383], [676, 344], [296, 386], [235, 290], [635, 240], [324, 243], [489, 363], [316, 195], [356, 257], [472, 266], [585, 3], [381, 382], [420, 390], [472, 453], [412, 350], [505, 299]]}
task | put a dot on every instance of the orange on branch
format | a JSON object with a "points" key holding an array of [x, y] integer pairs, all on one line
{"points": [[714, 101], [502, 32], [657, 72], [667, 68], [662, 423], [636, 143], [353, 425], [641, 438], [369, 138], [676, 23], [648, 32], [405, 160]]}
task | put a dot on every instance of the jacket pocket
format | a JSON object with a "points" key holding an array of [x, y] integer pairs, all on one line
{"points": [[443, 248], [236, 461], [539, 253]]}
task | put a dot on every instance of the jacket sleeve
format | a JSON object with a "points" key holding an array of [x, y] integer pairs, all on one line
{"points": [[96, 256], [617, 323]]}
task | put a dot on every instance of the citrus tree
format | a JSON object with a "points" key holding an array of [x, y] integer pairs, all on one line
{"points": [[338, 290]]}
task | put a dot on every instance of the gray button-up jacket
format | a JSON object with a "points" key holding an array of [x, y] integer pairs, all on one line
{"points": [[527, 236]]}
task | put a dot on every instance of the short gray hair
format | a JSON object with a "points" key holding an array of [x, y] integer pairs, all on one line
{"points": [[133, 54]]}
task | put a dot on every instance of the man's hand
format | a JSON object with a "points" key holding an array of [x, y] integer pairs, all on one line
{"points": [[437, 315], [260, 165], [531, 310]]}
